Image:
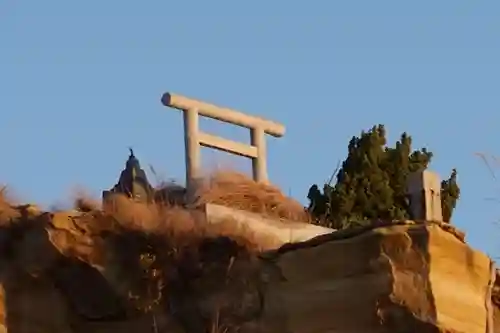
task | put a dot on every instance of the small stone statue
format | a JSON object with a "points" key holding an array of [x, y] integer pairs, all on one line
{"points": [[133, 181]]}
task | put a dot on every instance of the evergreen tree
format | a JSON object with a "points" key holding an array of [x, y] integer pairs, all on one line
{"points": [[371, 184], [450, 193]]}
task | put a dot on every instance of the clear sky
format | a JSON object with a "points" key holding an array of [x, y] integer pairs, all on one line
{"points": [[81, 81]]}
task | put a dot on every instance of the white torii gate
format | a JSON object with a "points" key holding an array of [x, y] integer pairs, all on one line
{"points": [[194, 138]]}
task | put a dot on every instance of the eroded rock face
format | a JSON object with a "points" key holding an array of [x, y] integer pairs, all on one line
{"points": [[398, 278], [51, 280], [403, 278], [495, 297]]}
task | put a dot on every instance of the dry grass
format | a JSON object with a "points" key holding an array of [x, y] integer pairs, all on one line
{"points": [[8, 213], [236, 190], [84, 202], [182, 253], [179, 224], [187, 227]]}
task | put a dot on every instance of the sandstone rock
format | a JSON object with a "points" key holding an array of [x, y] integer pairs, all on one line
{"points": [[390, 277], [495, 297], [406, 277], [33, 305], [403, 278], [51, 282]]}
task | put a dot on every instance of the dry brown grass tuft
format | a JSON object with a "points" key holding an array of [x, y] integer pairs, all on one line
{"points": [[238, 191], [8, 212], [85, 203], [183, 227], [149, 218], [176, 245], [3, 195]]}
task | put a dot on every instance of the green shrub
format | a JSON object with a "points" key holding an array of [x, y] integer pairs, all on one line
{"points": [[371, 183]]}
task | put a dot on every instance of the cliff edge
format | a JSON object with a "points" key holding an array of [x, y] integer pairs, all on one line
{"points": [[96, 272]]}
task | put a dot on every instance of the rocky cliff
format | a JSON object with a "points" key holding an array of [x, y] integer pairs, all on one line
{"points": [[91, 272], [399, 278]]}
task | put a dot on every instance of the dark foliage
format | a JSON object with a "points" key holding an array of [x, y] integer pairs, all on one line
{"points": [[371, 183]]}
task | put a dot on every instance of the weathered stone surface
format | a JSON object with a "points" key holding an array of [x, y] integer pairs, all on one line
{"points": [[495, 298], [51, 282], [279, 232], [391, 277], [36, 305], [405, 278]]}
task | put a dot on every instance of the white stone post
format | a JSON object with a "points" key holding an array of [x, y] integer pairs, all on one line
{"points": [[192, 146], [424, 190], [259, 164]]}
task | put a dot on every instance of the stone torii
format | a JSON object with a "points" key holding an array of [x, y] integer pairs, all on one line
{"points": [[194, 138]]}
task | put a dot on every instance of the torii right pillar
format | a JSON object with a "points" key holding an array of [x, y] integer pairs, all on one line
{"points": [[424, 190]]}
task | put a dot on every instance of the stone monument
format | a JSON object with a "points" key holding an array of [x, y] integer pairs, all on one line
{"points": [[424, 192], [133, 182]]}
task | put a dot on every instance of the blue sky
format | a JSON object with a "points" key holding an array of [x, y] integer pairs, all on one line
{"points": [[80, 81]]}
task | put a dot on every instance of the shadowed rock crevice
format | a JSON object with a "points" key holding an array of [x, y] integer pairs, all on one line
{"points": [[410, 307], [86, 291], [45, 290]]}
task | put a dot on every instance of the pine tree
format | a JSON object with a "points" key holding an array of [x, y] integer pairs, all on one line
{"points": [[450, 193], [371, 184]]}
